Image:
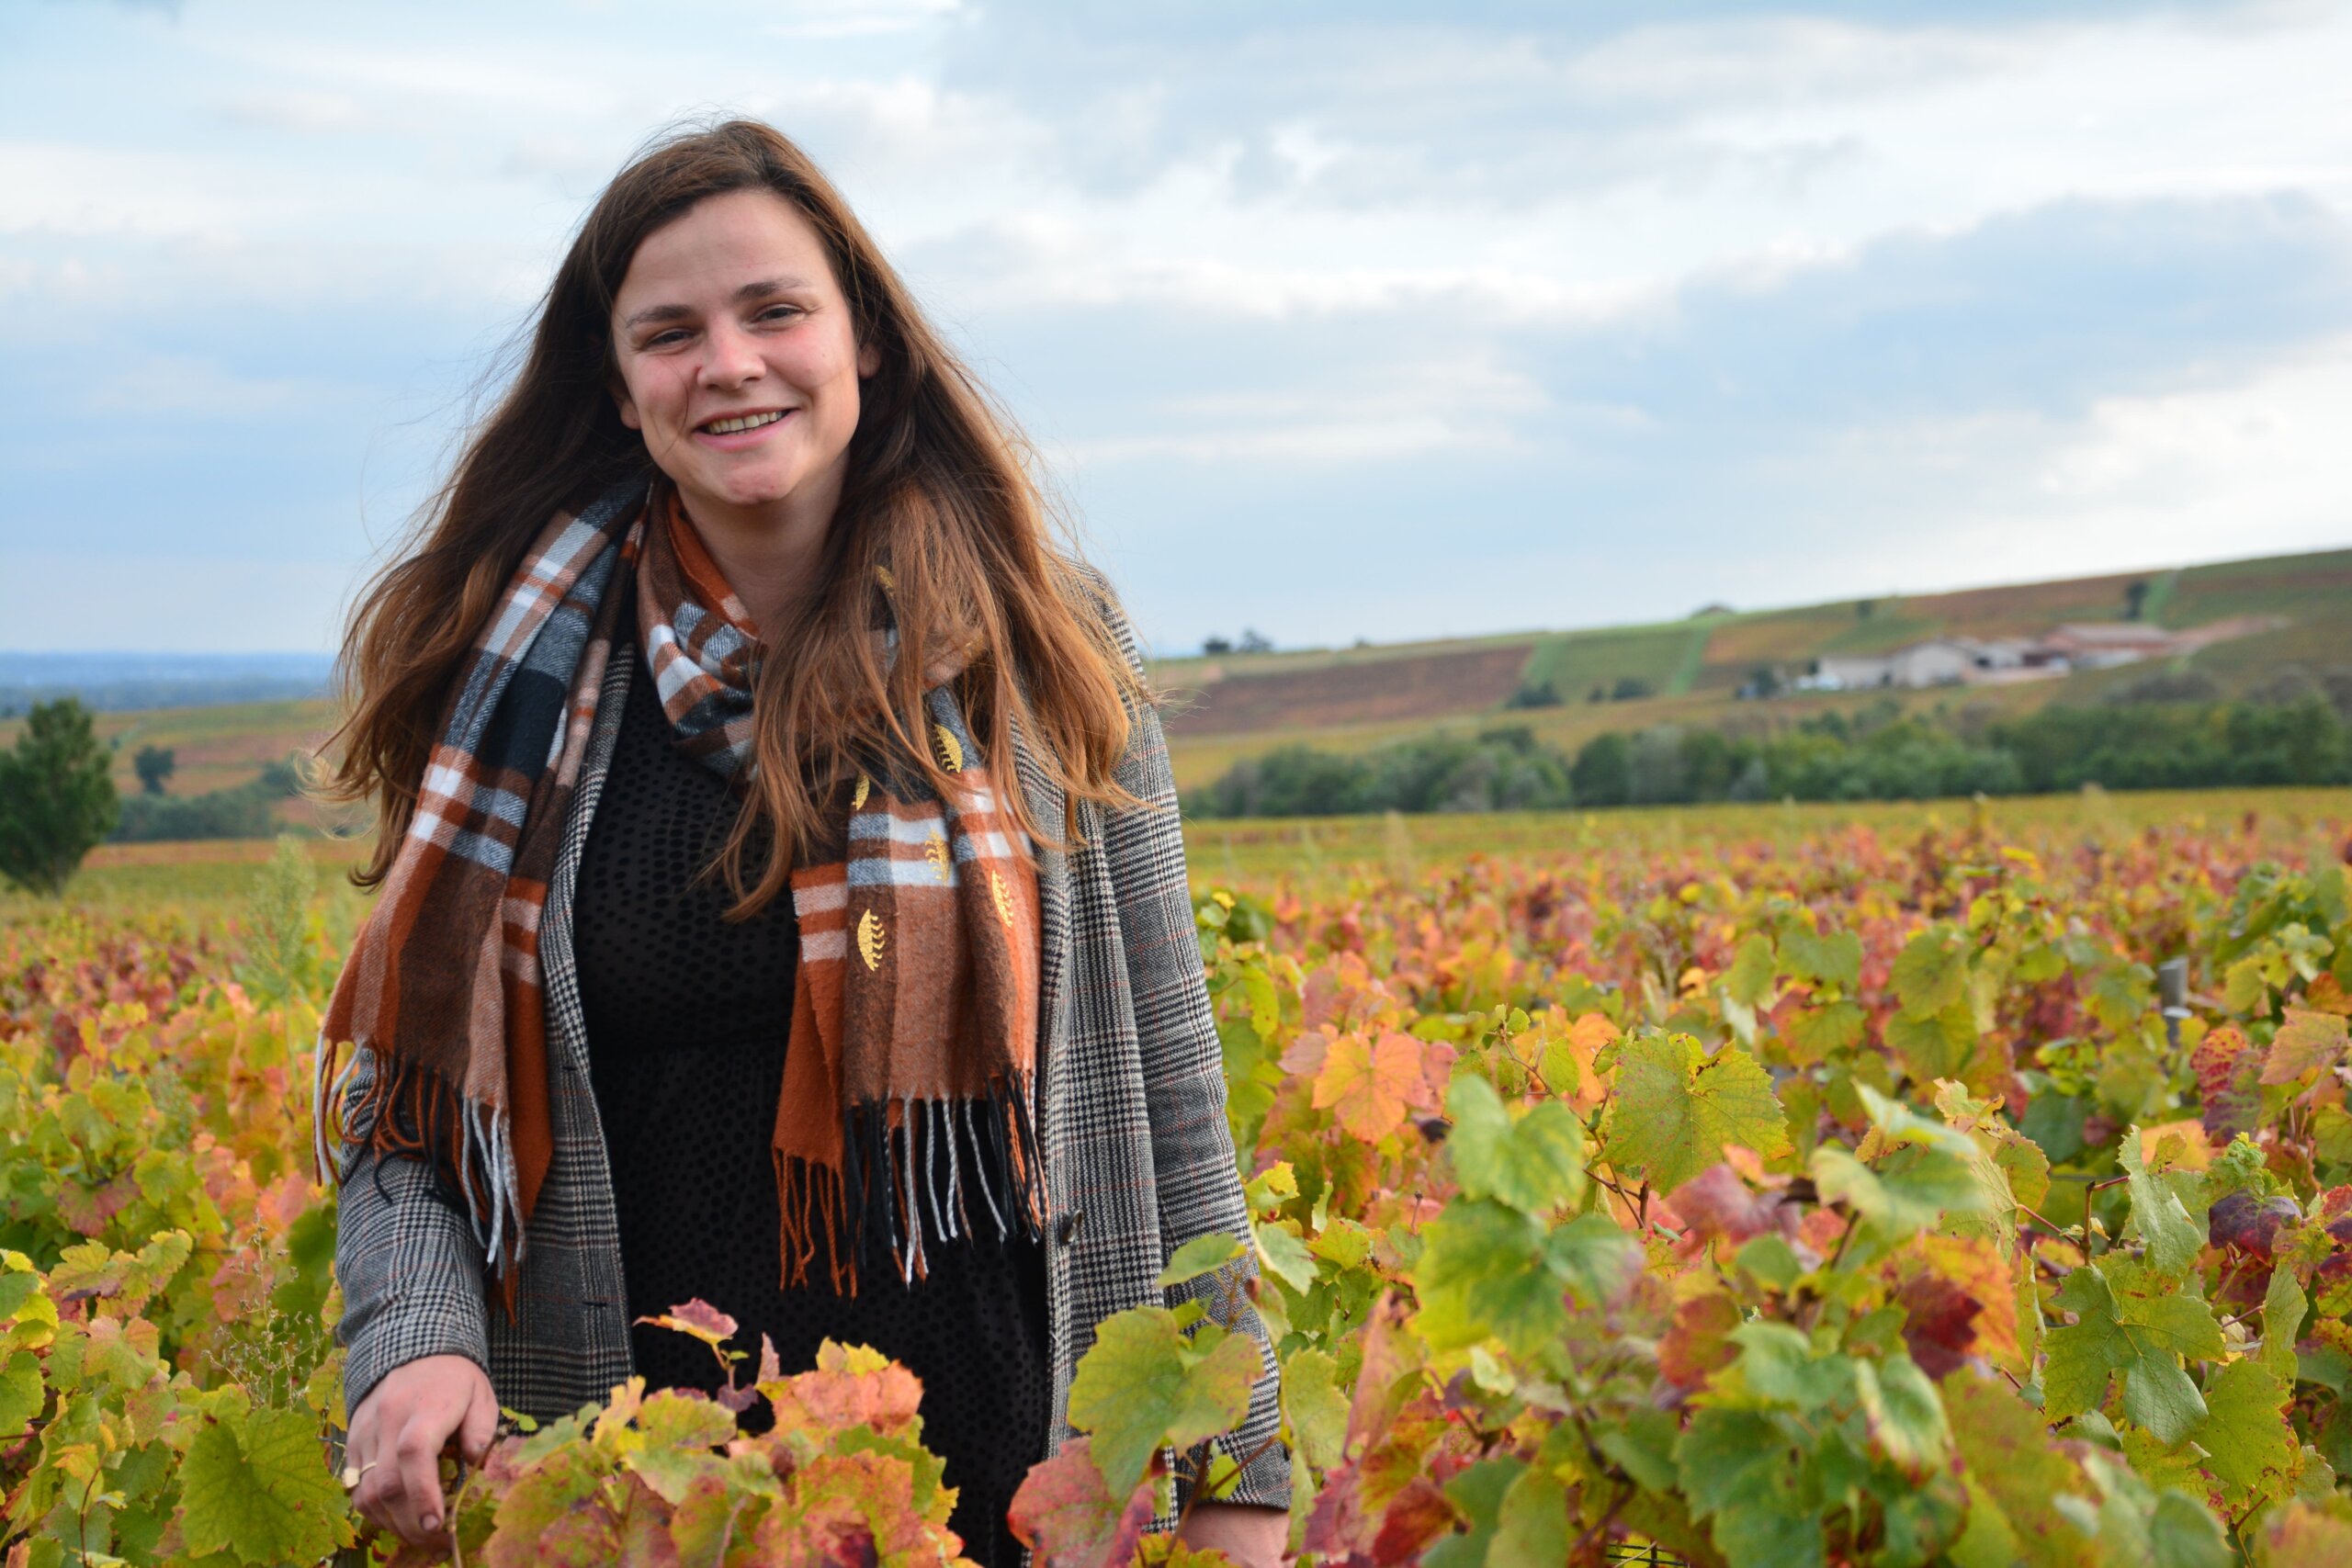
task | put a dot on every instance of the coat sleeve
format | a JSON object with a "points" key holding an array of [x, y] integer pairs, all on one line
{"points": [[1198, 1185], [410, 1272]]}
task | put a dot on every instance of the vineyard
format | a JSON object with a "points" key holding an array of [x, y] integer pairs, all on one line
{"points": [[1973, 1189]]}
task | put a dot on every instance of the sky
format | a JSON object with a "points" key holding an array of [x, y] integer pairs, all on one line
{"points": [[1330, 320]]}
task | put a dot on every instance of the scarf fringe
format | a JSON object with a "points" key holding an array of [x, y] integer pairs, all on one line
{"points": [[410, 1112], [907, 1166]]}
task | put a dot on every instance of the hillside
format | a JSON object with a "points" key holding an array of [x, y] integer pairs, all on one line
{"points": [[2286, 611], [1237, 706]]}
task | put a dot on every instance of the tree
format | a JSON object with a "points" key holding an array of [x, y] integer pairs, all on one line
{"points": [[2135, 598], [1254, 641], [1212, 646], [56, 799], [154, 765]]}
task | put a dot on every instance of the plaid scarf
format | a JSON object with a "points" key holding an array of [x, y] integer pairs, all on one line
{"points": [[912, 1056]]}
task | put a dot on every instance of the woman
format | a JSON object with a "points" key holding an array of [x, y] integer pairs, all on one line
{"points": [[782, 901]]}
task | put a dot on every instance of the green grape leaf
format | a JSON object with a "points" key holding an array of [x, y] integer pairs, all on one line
{"points": [[1144, 1383], [1642, 1442], [1909, 1196], [1835, 959], [1316, 1407], [1936, 1046], [1478, 1492], [2005, 1444], [2249, 1446], [21, 1394], [1593, 1257], [259, 1489], [1676, 1107], [2140, 1336], [1749, 979], [1484, 1270], [1204, 1254], [2173, 1238], [1534, 1162], [2283, 1306], [1778, 1363], [1740, 1467], [1904, 1414], [1284, 1255], [1815, 1033], [1531, 1527], [1931, 971]]}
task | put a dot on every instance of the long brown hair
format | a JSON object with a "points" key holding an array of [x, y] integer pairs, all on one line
{"points": [[938, 502]]}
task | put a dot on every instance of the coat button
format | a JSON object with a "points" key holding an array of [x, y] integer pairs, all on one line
{"points": [[1067, 1227]]}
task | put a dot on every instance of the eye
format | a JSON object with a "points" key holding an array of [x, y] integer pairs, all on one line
{"points": [[665, 338], [778, 314]]}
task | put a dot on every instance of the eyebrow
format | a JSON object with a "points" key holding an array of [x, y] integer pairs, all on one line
{"points": [[761, 288]]}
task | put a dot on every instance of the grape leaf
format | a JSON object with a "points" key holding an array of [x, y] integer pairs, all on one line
{"points": [[1931, 971], [2173, 1238], [1144, 1384], [1935, 1046], [1204, 1254], [2229, 1084], [2249, 1446], [1370, 1084], [1749, 978], [1531, 1527], [1910, 1195], [2006, 1449], [1741, 1467], [2142, 1337], [698, 1318], [1718, 1204], [1482, 1273], [1904, 1414], [2283, 1305], [21, 1394], [1284, 1255], [1676, 1107], [2306, 1043], [1835, 959], [1814, 1032], [258, 1487], [1534, 1162], [2303, 1533], [1316, 1407]]}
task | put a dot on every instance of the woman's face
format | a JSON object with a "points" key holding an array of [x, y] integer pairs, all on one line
{"points": [[738, 359]]}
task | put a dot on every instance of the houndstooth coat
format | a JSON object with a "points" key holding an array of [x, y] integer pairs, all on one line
{"points": [[1137, 1158]]}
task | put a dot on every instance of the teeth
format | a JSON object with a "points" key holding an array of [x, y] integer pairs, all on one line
{"points": [[748, 422]]}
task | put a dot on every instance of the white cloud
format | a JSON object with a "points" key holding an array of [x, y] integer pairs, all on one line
{"points": [[2193, 472]]}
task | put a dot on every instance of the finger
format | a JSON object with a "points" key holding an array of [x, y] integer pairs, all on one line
{"points": [[480, 1426], [416, 1456]]}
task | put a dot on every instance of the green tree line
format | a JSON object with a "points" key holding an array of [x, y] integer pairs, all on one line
{"points": [[1873, 753]]}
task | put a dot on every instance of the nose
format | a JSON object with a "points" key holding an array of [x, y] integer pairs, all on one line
{"points": [[730, 357]]}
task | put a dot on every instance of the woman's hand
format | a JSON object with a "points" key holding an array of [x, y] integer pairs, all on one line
{"points": [[1253, 1537], [397, 1436]]}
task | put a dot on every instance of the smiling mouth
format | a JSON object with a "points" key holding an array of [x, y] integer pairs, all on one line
{"points": [[737, 422]]}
